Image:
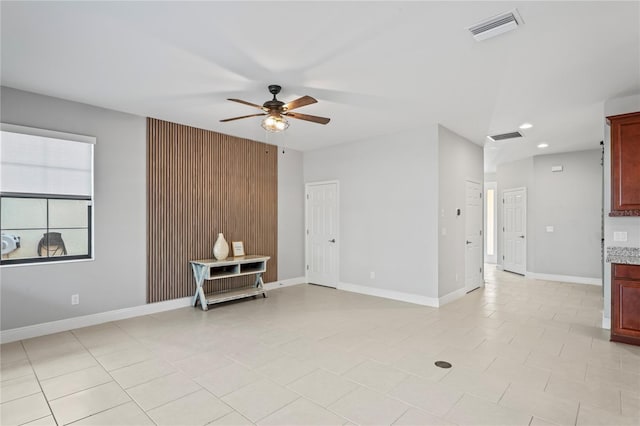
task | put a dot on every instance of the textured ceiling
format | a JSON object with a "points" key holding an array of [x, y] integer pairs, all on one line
{"points": [[376, 68]]}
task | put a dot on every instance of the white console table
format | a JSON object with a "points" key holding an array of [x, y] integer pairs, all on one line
{"points": [[212, 269]]}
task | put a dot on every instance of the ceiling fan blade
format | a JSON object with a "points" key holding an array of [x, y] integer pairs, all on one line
{"points": [[245, 102], [313, 118], [244, 116], [300, 102]]}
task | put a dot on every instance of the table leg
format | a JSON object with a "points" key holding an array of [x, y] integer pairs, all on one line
{"points": [[260, 284], [199, 272]]}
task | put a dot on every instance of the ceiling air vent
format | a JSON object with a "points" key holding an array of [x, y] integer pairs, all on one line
{"points": [[504, 136], [496, 25]]}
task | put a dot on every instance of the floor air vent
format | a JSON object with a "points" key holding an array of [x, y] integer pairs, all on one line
{"points": [[504, 136], [496, 25]]}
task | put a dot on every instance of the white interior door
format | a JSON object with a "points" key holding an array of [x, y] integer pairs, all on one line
{"points": [[322, 233], [514, 221], [473, 236]]}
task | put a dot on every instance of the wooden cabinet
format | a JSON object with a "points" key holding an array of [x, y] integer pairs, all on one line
{"points": [[625, 164], [625, 304]]}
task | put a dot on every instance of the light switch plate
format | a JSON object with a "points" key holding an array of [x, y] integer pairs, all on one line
{"points": [[549, 228], [620, 236]]}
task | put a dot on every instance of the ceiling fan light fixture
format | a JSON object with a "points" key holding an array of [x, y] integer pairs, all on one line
{"points": [[275, 123]]}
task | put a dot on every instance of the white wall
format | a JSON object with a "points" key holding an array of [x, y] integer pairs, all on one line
{"points": [[571, 202], [460, 160], [34, 294], [290, 214], [630, 225], [490, 177], [388, 209]]}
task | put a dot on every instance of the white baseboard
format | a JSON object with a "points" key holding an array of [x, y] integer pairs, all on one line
{"points": [[454, 295], [389, 294], [606, 322], [285, 283], [36, 330], [564, 278]]}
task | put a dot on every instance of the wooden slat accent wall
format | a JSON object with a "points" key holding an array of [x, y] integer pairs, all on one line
{"points": [[201, 183]]}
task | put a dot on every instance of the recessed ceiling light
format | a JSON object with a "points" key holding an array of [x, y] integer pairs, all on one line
{"points": [[524, 126], [543, 145]]}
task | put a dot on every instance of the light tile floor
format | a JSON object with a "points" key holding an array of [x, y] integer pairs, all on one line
{"points": [[524, 352]]}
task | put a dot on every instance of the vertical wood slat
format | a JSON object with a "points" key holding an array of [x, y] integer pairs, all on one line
{"points": [[201, 183]]}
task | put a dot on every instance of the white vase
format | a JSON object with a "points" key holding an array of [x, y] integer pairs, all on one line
{"points": [[221, 248]]}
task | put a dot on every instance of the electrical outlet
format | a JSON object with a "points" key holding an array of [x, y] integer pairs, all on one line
{"points": [[75, 299], [372, 275]]}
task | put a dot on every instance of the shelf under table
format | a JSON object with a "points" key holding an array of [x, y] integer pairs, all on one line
{"points": [[240, 293]]}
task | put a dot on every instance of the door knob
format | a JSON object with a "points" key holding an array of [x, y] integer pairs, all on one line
{"points": [[468, 242], [521, 236], [333, 240]]}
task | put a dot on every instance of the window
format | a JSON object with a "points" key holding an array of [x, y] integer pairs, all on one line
{"points": [[46, 195]]}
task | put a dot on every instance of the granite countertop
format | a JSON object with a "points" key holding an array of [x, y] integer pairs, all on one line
{"points": [[624, 255]]}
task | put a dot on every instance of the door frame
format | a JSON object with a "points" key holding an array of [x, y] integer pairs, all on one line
{"points": [[307, 185], [482, 234], [504, 237]]}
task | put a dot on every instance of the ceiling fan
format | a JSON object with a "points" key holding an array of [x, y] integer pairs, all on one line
{"points": [[276, 111]]}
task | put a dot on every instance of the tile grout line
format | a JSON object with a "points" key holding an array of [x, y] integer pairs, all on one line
{"points": [[278, 409], [504, 393], [233, 410], [39, 384], [400, 416], [166, 403], [113, 380], [99, 412]]}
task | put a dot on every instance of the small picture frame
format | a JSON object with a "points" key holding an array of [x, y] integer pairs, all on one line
{"points": [[238, 248]]}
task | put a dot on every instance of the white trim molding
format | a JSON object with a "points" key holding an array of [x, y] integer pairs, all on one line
{"points": [[45, 133], [450, 297], [402, 296], [389, 294], [285, 283], [36, 330], [564, 278], [606, 322], [43, 329]]}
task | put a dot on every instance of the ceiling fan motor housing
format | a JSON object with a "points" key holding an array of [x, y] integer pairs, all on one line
{"points": [[274, 104]]}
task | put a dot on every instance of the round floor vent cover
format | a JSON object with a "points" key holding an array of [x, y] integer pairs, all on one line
{"points": [[443, 364]]}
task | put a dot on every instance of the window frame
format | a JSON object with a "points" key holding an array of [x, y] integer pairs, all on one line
{"points": [[71, 137]]}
